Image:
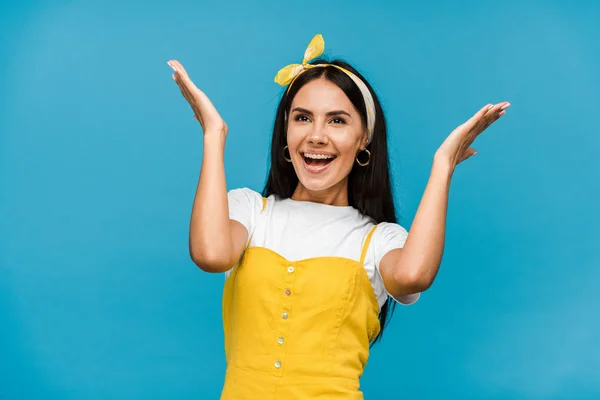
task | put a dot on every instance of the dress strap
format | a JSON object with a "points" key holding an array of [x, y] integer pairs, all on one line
{"points": [[264, 204], [366, 245]]}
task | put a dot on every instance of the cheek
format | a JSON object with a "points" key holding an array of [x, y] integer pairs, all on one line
{"points": [[293, 137], [347, 146], [347, 159]]}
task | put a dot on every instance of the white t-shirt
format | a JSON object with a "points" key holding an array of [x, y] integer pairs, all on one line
{"points": [[298, 230]]}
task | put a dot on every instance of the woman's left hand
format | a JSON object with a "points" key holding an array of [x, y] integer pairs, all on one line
{"points": [[456, 148]]}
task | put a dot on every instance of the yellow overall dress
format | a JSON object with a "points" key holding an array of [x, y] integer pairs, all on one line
{"points": [[297, 329]]}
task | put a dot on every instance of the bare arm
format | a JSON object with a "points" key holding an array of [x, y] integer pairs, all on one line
{"points": [[215, 241], [413, 268]]}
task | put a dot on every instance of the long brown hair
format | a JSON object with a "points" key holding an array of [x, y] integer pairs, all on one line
{"points": [[369, 188]]}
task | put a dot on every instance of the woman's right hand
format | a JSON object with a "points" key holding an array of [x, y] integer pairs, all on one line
{"points": [[204, 111]]}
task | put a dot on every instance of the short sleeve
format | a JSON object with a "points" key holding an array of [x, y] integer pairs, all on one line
{"points": [[389, 236], [244, 206]]}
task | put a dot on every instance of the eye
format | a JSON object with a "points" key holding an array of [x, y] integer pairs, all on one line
{"points": [[338, 120], [301, 118]]}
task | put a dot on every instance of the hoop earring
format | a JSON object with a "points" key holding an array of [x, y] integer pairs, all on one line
{"points": [[286, 158], [368, 160]]}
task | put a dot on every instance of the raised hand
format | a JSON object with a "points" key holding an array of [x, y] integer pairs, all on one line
{"points": [[456, 148], [204, 111]]}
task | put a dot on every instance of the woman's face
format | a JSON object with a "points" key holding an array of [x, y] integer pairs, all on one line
{"points": [[324, 134]]}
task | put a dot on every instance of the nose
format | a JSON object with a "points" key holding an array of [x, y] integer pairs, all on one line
{"points": [[318, 136]]}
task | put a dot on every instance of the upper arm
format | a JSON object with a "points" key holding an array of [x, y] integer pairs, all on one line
{"points": [[226, 259], [393, 281], [389, 241], [243, 206], [239, 239]]}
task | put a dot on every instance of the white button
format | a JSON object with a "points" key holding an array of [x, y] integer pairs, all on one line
{"points": [[290, 269], [280, 340], [277, 364], [288, 292], [284, 315]]}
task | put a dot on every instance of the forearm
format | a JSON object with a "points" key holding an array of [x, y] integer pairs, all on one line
{"points": [[210, 236], [424, 247]]}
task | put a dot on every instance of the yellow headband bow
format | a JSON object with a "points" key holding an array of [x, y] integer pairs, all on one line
{"points": [[287, 74]]}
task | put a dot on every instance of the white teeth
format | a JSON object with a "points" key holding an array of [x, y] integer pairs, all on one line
{"points": [[318, 156]]}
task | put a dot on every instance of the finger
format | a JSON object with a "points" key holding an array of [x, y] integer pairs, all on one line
{"points": [[184, 90], [173, 66], [177, 68], [492, 111], [470, 152], [478, 116], [181, 86], [177, 65], [185, 83], [190, 99], [491, 115], [195, 97], [503, 108], [496, 112], [467, 154], [498, 108], [180, 72], [186, 94], [504, 105]]}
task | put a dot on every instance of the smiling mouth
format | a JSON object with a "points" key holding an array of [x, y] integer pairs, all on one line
{"points": [[316, 162]]}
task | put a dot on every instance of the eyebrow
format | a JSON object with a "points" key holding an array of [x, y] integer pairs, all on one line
{"points": [[329, 114]]}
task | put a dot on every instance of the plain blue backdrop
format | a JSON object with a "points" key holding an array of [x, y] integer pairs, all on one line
{"points": [[100, 156]]}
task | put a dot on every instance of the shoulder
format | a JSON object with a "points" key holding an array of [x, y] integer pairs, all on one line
{"points": [[390, 232], [244, 194], [246, 198], [387, 237], [390, 227], [244, 206]]}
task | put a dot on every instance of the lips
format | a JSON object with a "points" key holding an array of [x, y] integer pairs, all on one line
{"points": [[316, 162]]}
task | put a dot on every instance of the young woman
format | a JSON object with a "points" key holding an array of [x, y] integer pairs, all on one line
{"points": [[316, 262]]}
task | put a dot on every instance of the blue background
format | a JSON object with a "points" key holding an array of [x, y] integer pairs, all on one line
{"points": [[100, 156]]}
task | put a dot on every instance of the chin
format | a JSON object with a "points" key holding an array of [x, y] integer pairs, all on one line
{"points": [[316, 186], [319, 180]]}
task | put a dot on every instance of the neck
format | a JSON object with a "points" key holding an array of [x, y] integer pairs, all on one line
{"points": [[333, 196]]}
